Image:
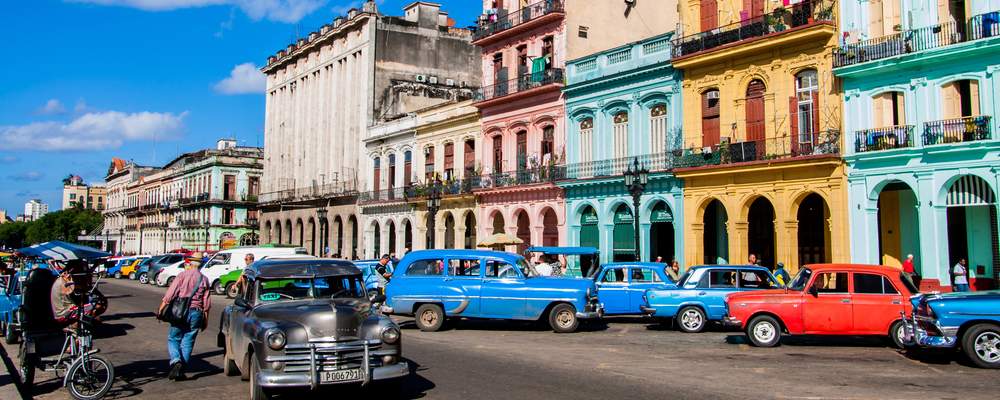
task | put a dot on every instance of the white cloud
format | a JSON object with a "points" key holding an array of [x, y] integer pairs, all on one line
{"points": [[288, 11], [243, 79], [27, 176], [92, 131], [344, 8], [51, 107]]}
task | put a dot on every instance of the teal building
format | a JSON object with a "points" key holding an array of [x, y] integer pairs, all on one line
{"points": [[623, 105], [920, 89]]}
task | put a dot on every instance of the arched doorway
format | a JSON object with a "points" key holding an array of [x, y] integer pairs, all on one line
{"points": [[249, 239], [523, 231], [661, 233], [813, 231], [590, 236], [267, 233], [392, 237], [277, 234], [449, 231], [338, 225], [310, 240], [300, 232], [407, 237], [550, 228], [760, 231], [971, 203], [715, 241], [498, 223], [288, 231], [898, 227], [376, 240], [353, 222], [470, 230], [623, 243]]}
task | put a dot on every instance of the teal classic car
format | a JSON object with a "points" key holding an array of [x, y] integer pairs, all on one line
{"points": [[969, 321], [434, 285]]}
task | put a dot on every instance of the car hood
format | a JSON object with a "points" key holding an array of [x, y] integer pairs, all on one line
{"points": [[337, 319]]}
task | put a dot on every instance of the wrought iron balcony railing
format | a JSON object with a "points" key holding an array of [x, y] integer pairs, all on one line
{"points": [[777, 20], [494, 23], [965, 129], [892, 137], [522, 83], [773, 148]]}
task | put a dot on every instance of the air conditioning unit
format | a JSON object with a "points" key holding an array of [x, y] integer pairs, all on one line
{"points": [[433, 80], [713, 95], [421, 78], [449, 82], [706, 150]]}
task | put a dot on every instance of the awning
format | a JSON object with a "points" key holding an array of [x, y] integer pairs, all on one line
{"points": [[970, 190]]}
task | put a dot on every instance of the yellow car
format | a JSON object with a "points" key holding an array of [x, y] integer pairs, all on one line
{"points": [[129, 270]]}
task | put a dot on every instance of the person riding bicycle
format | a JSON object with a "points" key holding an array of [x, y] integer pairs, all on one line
{"points": [[69, 291]]}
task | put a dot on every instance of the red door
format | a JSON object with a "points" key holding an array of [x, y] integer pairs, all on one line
{"points": [[755, 112], [830, 310], [377, 174], [710, 118], [877, 303], [709, 15], [756, 8]]}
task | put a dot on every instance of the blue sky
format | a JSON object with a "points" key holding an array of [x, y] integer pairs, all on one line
{"points": [[83, 81]]}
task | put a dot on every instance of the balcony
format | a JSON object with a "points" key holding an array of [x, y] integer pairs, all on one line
{"points": [[525, 176], [958, 130], [501, 23], [888, 138], [530, 83], [448, 188], [328, 191], [617, 167], [382, 196], [815, 144], [778, 22]]}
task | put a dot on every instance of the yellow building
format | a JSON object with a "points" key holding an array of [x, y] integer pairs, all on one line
{"points": [[762, 173]]}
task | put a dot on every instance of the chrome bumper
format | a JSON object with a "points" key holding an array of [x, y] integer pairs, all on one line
{"points": [[914, 335], [647, 310], [732, 322], [277, 379], [301, 365], [594, 311]]}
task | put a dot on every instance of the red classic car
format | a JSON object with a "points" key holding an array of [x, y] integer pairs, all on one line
{"points": [[826, 299]]}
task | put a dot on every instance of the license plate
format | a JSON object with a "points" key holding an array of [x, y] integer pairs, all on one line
{"points": [[346, 375]]}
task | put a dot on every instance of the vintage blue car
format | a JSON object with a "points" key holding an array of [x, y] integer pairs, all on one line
{"points": [[437, 284], [620, 286], [373, 280], [10, 305], [700, 294], [970, 321]]}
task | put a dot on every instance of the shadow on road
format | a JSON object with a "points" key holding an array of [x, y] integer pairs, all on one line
{"points": [[497, 325], [114, 317], [937, 357], [107, 331], [133, 376], [821, 341]]}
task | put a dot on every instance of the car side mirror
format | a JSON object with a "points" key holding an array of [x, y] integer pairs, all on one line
{"points": [[813, 290], [241, 303]]}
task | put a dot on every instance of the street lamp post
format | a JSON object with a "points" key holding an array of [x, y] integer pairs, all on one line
{"points": [[433, 205], [321, 216], [121, 241], [140, 238], [636, 178], [207, 226]]}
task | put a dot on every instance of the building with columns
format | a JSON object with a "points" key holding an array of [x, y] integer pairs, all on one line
{"points": [[525, 47], [323, 93], [920, 83], [120, 174]]}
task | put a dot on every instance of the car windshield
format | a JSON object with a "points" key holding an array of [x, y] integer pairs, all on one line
{"points": [[912, 287], [683, 279], [801, 279], [331, 287]]}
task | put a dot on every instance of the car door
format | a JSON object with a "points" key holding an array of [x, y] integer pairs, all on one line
{"points": [[464, 276], [238, 316], [877, 303], [612, 290], [503, 292], [423, 280], [640, 280], [720, 282], [826, 307]]}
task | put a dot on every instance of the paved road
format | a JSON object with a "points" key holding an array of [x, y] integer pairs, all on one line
{"points": [[627, 358]]}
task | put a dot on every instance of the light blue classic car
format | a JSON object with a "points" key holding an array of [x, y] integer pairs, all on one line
{"points": [[700, 294], [970, 321], [620, 286], [10, 306], [434, 285]]}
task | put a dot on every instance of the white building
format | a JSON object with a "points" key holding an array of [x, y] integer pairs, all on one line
{"points": [[35, 209]]}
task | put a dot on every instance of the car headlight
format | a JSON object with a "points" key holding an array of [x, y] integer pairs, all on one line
{"points": [[390, 335], [275, 339]]}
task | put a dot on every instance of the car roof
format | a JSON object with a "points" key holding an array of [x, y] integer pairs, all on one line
{"points": [[635, 264], [300, 268], [569, 251], [422, 254], [852, 267], [743, 266]]}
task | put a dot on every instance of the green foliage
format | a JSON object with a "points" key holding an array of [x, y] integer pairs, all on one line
{"points": [[63, 225], [12, 234]]}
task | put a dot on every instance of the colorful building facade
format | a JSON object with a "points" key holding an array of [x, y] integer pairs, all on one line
{"points": [[920, 89], [761, 166], [623, 106]]}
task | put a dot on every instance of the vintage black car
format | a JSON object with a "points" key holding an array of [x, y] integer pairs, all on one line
{"points": [[309, 323]]}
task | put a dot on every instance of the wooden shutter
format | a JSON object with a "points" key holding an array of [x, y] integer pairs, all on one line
{"points": [[407, 168], [449, 156], [497, 154], [709, 15], [944, 12], [377, 175], [951, 106], [793, 112], [900, 107], [470, 156], [890, 16], [974, 97], [709, 122], [875, 19], [755, 111], [815, 116], [756, 9]]}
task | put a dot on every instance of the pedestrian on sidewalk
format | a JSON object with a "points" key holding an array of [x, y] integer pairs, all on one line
{"points": [[910, 270], [181, 336], [752, 259], [960, 276], [674, 271]]}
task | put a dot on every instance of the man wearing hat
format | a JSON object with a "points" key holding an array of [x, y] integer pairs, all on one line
{"points": [[181, 337], [781, 274]]}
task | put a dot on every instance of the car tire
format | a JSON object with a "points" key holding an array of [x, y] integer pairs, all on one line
{"points": [[231, 290], [257, 392], [764, 331], [229, 367], [245, 367], [217, 288], [131, 276], [118, 275], [10, 336], [25, 366], [981, 343], [691, 320], [897, 333], [562, 318], [170, 281], [429, 317], [143, 279]]}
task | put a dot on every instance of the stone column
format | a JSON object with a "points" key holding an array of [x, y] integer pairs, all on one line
{"points": [[738, 241]]}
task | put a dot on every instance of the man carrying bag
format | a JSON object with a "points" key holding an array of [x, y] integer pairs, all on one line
{"points": [[185, 307]]}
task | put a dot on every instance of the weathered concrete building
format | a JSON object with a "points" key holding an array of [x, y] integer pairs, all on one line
{"points": [[325, 90]]}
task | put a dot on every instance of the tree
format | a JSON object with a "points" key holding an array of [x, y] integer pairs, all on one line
{"points": [[63, 225], [12, 234]]}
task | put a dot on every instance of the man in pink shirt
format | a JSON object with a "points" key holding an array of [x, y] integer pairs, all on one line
{"points": [[180, 338]]}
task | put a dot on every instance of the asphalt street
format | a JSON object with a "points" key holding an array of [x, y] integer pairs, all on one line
{"points": [[624, 358]]}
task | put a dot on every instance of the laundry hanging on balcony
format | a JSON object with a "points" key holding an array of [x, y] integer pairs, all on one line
{"points": [[538, 67]]}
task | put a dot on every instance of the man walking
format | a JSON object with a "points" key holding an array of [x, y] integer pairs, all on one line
{"points": [[960, 276], [909, 269], [180, 337]]}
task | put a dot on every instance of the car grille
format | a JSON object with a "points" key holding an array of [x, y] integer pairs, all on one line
{"points": [[330, 355]]}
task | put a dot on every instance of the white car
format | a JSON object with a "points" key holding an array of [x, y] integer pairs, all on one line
{"points": [[168, 273], [226, 261]]}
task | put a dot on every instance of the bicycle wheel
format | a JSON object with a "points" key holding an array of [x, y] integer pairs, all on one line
{"points": [[90, 377]]}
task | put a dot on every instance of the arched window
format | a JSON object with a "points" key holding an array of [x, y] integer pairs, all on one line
{"points": [[429, 163], [620, 135], [755, 125], [586, 139], [392, 171], [805, 109], [407, 168], [376, 173], [658, 129]]}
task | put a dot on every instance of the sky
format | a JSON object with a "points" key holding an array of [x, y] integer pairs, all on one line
{"points": [[83, 81]]}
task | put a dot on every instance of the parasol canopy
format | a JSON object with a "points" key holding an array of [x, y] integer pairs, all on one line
{"points": [[63, 251], [500, 240]]}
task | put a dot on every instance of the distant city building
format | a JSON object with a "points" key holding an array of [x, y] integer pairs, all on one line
{"points": [[3, 217], [35, 209], [76, 193]]}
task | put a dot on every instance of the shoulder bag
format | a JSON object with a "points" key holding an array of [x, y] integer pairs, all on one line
{"points": [[176, 312]]}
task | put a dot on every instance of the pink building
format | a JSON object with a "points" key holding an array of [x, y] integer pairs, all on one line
{"points": [[525, 47]]}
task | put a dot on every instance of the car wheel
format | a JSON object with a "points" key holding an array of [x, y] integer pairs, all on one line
{"points": [[10, 335], [218, 288], [118, 275], [170, 281], [897, 333], [429, 317], [256, 391], [229, 367], [764, 331], [143, 279], [245, 367], [231, 291], [563, 319], [25, 366], [981, 344], [691, 319], [131, 276]]}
